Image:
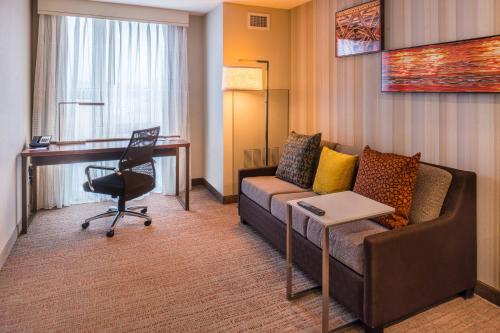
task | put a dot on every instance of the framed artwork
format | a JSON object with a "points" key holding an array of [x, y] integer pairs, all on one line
{"points": [[465, 66], [358, 30]]}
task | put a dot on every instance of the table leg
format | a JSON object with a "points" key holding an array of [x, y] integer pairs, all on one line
{"points": [[290, 295], [326, 279], [34, 188], [186, 205], [177, 171], [289, 253], [24, 194]]}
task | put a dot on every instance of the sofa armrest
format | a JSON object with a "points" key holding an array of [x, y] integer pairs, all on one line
{"points": [[255, 172], [414, 267]]}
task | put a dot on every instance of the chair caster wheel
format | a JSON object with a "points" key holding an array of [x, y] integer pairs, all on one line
{"points": [[85, 225], [147, 223], [110, 233], [144, 210]]}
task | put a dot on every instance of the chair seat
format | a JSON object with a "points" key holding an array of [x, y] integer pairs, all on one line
{"points": [[346, 240], [114, 184], [279, 210], [261, 189]]}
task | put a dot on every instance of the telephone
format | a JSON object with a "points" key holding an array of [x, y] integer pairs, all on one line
{"points": [[40, 141]]}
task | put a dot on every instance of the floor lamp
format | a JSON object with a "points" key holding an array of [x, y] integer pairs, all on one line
{"points": [[241, 78], [71, 103], [249, 78]]}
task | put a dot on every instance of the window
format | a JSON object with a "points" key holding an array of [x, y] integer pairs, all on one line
{"points": [[138, 70]]}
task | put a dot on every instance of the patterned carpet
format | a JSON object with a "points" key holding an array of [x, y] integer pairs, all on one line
{"points": [[196, 271]]}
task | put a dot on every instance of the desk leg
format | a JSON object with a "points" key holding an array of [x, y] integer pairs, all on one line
{"points": [[34, 188], [177, 171], [326, 279], [186, 204], [24, 195]]}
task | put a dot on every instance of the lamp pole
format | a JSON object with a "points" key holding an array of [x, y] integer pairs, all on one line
{"points": [[266, 147], [71, 103]]}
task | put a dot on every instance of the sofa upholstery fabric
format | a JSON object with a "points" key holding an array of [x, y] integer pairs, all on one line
{"points": [[279, 210], [430, 191], [346, 240], [389, 179], [261, 189], [349, 150], [298, 159]]}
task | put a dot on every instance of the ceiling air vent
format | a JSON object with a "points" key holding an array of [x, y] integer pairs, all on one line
{"points": [[258, 21]]}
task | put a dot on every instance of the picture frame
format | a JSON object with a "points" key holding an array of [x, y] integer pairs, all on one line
{"points": [[360, 29], [464, 66]]}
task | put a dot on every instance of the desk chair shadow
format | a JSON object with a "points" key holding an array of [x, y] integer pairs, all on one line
{"points": [[134, 177]]}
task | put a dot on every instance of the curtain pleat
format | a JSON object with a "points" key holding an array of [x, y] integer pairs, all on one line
{"points": [[138, 70]]}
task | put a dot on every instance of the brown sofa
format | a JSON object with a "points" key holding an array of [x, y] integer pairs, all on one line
{"points": [[381, 275]]}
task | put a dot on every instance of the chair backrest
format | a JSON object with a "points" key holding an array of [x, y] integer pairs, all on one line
{"points": [[138, 157]]}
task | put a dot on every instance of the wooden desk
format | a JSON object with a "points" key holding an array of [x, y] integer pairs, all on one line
{"points": [[90, 152]]}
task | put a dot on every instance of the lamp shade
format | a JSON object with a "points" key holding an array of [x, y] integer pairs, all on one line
{"points": [[242, 78]]}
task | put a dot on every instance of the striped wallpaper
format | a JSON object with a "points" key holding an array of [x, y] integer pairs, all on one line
{"points": [[341, 98]]}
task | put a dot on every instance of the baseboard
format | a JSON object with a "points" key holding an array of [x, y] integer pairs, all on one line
{"points": [[212, 190], [197, 181], [4, 253], [221, 198], [229, 199], [488, 292]]}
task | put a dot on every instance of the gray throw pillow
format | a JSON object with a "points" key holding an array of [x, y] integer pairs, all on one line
{"points": [[296, 163]]}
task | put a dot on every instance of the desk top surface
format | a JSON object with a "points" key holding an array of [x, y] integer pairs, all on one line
{"points": [[343, 207], [99, 147]]}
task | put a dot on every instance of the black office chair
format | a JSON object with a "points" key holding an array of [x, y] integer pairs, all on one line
{"points": [[134, 177]]}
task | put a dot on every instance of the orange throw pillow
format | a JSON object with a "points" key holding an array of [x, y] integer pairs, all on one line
{"points": [[389, 179]]}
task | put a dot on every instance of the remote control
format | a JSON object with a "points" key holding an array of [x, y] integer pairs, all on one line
{"points": [[311, 208]]}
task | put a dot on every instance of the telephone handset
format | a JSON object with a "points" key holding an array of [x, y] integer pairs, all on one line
{"points": [[40, 141]]}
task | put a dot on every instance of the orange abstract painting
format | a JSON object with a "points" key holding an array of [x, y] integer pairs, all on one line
{"points": [[358, 29], [465, 66]]}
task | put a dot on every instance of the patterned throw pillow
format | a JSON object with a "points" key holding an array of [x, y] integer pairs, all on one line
{"points": [[296, 163], [389, 179]]}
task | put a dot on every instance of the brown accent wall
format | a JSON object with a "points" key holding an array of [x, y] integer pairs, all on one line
{"points": [[341, 98]]}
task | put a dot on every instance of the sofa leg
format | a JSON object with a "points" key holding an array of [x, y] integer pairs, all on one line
{"points": [[242, 221], [468, 293]]}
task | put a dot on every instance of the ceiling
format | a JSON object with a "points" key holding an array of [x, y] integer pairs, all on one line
{"points": [[204, 6]]}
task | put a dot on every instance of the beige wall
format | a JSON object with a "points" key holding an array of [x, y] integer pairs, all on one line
{"points": [[213, 135], [196, 81], [457, 130], [273, 45], [15, 110], [246, 130]]}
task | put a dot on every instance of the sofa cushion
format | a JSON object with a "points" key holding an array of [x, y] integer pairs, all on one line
{"points": [[346, 240], [297, 162], [279, 210], [430, 191], [261, 189], [389, 179]]}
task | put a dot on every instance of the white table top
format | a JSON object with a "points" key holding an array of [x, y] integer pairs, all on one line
{"points": [[343, 207]]}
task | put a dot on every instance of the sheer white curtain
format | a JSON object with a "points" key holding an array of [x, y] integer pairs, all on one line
{"points": [[139, 70]]}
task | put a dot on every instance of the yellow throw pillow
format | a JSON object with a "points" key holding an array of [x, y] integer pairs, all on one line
{"points": [[335, 172]]}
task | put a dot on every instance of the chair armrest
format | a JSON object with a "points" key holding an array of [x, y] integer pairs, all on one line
{"points": [[411, 268], [97, 167]]}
